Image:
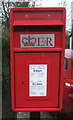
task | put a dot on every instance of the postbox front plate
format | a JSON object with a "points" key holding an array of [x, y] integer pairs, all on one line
{"points": [[37, 79]]}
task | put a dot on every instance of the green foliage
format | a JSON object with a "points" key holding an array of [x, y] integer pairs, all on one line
{"points": [[67, 41], [5, 57]]}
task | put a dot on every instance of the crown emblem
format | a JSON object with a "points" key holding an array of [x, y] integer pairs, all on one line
{"points": [[28, 41]]}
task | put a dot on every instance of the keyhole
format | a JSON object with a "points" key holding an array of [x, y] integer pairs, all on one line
{"points": [[22, 82]]}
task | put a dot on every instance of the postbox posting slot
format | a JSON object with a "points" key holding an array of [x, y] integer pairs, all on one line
{"points": [[38, 17]]}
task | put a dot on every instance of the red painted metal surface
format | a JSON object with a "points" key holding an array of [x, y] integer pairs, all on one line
{"points": [[52, 81], [68, 84], [35, 22]]}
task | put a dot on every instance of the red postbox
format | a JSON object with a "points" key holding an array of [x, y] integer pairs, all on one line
{"points": [[37, 41]]}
